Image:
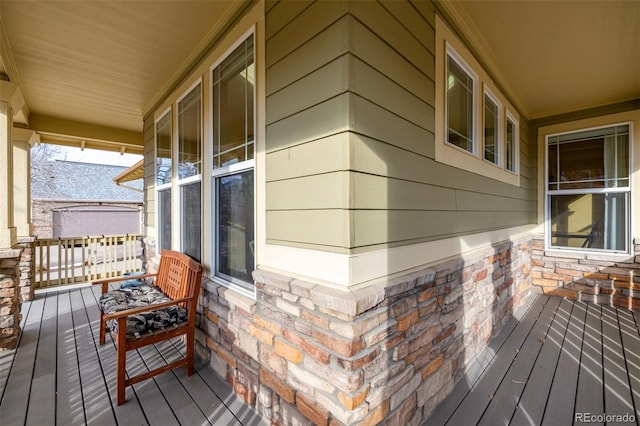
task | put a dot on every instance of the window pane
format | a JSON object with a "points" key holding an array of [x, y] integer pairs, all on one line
{"points": [[233, 104], [590, 159], [189, 135], [164, 219], [163, 150], [597, 221], [235, 234], [490, 130], [191, 212], [459, 106], [511, 146]]}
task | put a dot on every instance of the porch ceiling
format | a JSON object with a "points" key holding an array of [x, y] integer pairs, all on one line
{"points": [[90, 70], [554, 57]]}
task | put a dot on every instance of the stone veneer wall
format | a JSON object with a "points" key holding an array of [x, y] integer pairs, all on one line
{"points": [[306, 353], [27, 267], [10, 302], [591, 277]]}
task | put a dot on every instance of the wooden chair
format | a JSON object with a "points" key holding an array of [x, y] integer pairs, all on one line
{"points": [[133, 326]]}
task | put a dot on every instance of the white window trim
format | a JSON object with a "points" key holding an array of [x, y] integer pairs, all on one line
{"points": [[501, 128], [544, 193], [247, 289], [446, 43], [509, 116]]}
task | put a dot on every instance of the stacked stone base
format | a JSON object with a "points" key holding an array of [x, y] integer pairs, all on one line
{"points": [[304, 353], [594, 278], [10, 301]]}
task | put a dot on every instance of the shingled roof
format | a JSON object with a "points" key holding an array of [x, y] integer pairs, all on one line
{"points": [[68, 180]]}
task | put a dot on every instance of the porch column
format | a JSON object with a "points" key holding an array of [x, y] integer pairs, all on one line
{"points": [[10, 101], [22, 142]]}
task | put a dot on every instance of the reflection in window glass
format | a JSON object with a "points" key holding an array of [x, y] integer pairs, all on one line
{"points": [[591, 159], [459, 106], [588, 189], [235, 224], [190, 134], [163, 150], [164, 218], [233, 105], [190, 217], [595, 221], [490, 130]]}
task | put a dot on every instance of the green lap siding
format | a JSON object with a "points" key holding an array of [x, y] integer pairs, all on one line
{"points": [[350, 145]]}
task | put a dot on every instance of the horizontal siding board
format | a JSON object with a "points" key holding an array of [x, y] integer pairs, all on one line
{"points": [[373, 15], [374, 227], [375, 157], [380, 124], [405, 13], [474, 201], [315, 157], [320, 50], [426, 10], [380, 56], [326, 191], [316, 227], [384, 92], [322, 84], [279, 14], [307, 25], [322, 120], [379, 192]]}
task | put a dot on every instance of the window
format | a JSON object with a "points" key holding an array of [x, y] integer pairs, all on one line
{"points": [[163, 179], [511, 143], [460, 97], [189, 171], [476, 127], [492, 131], [233, 96], [588, 189]]}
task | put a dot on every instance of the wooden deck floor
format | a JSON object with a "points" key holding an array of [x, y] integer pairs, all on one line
{"points": [[559, 363], [60, 375]]}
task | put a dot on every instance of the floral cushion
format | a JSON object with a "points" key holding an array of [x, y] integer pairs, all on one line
{"points": [[134, 297]]}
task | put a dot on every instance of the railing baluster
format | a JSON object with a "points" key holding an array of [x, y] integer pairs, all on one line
{"points": [[119, 254]]}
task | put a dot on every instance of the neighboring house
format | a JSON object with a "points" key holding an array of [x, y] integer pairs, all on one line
{"points": [[72, 199], [374, 187]]}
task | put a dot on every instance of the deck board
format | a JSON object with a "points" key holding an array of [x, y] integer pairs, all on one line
{"points": [[631, 348], [572, 357], [561, 400], [43, 383], [60, 374], [589, 396], [15, 401], [507, 396], [70, 410], [530, 408], [617, 391]]}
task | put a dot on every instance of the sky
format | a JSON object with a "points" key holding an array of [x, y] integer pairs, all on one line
{"points": [[96, 156]]}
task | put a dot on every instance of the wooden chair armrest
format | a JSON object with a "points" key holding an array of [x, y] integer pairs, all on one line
{"points": [[152, 307], [106, 281]]}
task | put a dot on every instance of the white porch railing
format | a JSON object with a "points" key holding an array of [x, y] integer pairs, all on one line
{"points": [[60, 261]]}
